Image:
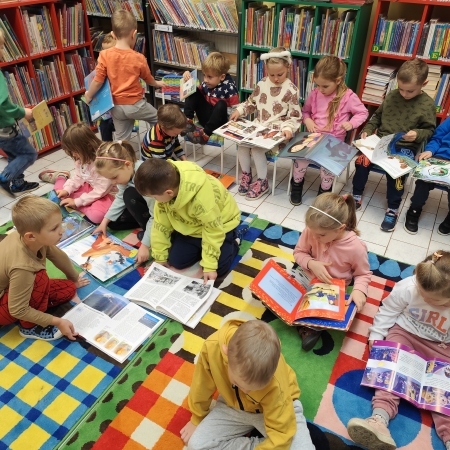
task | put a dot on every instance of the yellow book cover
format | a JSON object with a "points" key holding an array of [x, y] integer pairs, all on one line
{"points": [[41, 118]]}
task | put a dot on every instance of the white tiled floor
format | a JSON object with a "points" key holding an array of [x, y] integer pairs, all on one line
{"points": [[398, 245]]}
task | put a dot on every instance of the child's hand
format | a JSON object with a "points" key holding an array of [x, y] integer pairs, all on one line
{"points": [[318, 268], [160, 84], [61, 193], [234, 115], [310, 125], [102, 227], [66, 327], [287, 134], [82, 281], [359, 298], [363, 135], [209, 276], [186, 75], [87, 97], [370, 345], [187, 431], [28, 114], [347, 126], [143, 254], [410, 136], [424, 155], [70, 202]]}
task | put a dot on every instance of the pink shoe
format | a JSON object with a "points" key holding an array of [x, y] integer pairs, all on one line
{"points": [[50, 176], [257, 189], [371, 433], [246, 179]]}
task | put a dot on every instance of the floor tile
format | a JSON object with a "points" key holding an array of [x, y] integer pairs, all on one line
{"points": [[268, 211], [5, 199], [375, 248], [407, 253], [40, 165], [280, 198], [378, 200], [213, 167], [370, 232], [421, 239], [441, 215], [5, 215], [228, 161], [63, 164], [293, 224], [309, 196], [55, 155], [435, 246], [439, 237], [241, 200], [373, 214]]}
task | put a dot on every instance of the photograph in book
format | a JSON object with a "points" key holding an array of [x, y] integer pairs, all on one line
{"points": [[112, 323], [433, 170], [102, 101], [188, 87]]}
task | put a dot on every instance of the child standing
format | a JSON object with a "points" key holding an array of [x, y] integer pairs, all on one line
{"points": [[213, 99], [275, 100], [406, 109], [161, 141], [417, 314], [330, 108], [123, 67], [18, 150], [329, 248], [86, 190], [117, 162]]}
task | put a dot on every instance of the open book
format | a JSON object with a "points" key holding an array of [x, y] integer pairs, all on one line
{"points": [[292, 302], [179, 297], [323, 149], [41, 118], [102, 101], [378, 152], [250, 134], [408, 374], [112, 323], [188, 87], [433, 170]]}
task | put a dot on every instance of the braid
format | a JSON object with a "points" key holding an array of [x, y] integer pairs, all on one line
{"points": [[333, 106]]}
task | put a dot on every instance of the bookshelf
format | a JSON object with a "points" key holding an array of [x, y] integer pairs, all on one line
{"points": [[408, 29], [328, 28], [52, 60]]}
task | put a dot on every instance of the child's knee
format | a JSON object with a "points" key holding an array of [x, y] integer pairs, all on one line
{"points": [[95, 215]]}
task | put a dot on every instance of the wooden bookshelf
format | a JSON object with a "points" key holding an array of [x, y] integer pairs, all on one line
{"points": [[69, 99]]}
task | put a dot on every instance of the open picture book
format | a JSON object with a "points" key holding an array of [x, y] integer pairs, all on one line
{"points": [[434, 171], [292, 302], [112, 323], [250, 134], [188, 87], [321, 148], [102, 101], [181, 298], [41, 118], [396, 368]]}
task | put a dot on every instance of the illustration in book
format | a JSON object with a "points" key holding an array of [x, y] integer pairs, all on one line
{"points": [[433, 170], [188, 87], [102, 101]]}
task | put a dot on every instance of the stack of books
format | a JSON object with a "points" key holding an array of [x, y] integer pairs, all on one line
{"points": [[438, 86], [38, 23], [259, 25], [51, 81], [71, 24], [21, 87], [296, 26], [106, 8], [435, 41], [434, 77], [380, 79], [13, 49]]}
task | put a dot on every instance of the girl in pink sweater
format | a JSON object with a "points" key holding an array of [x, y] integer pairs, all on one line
{"points": [[329, 247], [330, 108], [86, 190]]}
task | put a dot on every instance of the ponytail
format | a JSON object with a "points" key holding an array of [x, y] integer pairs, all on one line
{"points": [[433, 274], [114, 154]]}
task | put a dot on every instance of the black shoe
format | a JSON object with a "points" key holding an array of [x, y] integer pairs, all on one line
{"points": [[358, 205], [140, 235], [190, 128], [309, 337], [411, 224], [25, 186], [6, 189], [323, 191], [296, 192], [444, 227]]}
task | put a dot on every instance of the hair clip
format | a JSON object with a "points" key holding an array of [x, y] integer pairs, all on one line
{"points": [[119, 142], [345, 197]]}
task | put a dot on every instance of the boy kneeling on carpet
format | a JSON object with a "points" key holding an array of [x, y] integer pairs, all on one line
{"points": [[257, 389], [26, 292]]}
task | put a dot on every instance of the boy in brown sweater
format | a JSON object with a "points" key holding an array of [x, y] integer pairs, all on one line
{"points": [[26, 292]]}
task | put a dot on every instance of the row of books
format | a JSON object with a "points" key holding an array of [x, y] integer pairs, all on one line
{"points": [[98, 35], [179, 49], [380, 79], [438, 86], [218, 15], [71, 24], [435, 41], [298, 74], [259, 25], [106, 8], [296, 26], [39, 34], [78, 67], [13, 49]]}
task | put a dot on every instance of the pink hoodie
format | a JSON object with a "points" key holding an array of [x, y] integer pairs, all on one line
{"points": [[350, 110], [347, 255]]}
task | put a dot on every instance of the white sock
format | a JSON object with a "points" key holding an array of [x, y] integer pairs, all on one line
{"points": [[259, 156]]}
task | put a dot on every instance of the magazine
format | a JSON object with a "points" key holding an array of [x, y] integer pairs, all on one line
{"points": [[41, 118], [102, 101], [378, 152], [188, 87], [179, 297], [112, 323], [408, 374], [321, 148], [434, 171], [291, 301], [250, 134], [102, 256]]}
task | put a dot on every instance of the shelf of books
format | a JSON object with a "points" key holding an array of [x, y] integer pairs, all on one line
{"points": [[404, 30], [47, 54], [309, 30], [105, 8]]}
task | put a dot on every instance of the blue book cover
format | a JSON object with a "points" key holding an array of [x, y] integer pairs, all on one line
{"points": [[102, 101]]}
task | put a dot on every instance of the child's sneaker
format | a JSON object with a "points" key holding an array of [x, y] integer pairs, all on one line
{"points": [[190, 128], [50, 333], [371, 433], [390, 221], [358, 205], [257, 189], [246, 179], [23, 186], [309, 337], [240, 232], [444, 227], [197, 137], [50, 176], [411, 224], [296, 192]]}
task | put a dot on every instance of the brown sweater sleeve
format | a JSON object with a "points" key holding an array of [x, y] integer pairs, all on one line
{"points": [[62, 262]]}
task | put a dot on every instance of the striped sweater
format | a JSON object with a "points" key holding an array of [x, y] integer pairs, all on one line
{"points": [[157, 144]]}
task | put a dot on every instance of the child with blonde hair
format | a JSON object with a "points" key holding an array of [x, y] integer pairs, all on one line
{"points": [[275, 101], [117, 162], [417, 314], [86, 190], [329, 247], [331, 108]]}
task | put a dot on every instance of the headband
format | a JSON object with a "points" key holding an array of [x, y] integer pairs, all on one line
{"points": [[113, 159], [323, 212], [286, 55]]}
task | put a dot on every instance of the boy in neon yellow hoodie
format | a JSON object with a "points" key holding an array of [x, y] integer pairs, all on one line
{"points": [[195, 217], [257, 389]]}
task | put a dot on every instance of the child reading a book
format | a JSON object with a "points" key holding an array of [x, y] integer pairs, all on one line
{"points": [[329, 247], [161, 141], [417, 314], [275, 100], [330, 108], [406, 109], [196, 218], [14, 144], [26, 292], [123, 67], [117, 162], [438, 147], [86, 190], [213, 99], [257, 389]]}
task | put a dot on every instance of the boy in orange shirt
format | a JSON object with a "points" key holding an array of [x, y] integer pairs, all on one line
{"points": [[123, 67]]}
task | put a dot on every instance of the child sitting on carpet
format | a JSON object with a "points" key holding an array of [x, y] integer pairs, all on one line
{"points": [[196, 218], [416, 314], [26, 292], [257, 389], [117, 162], [329, 248], [86, 190]]}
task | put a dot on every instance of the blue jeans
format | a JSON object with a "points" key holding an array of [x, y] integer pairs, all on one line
{"points": [[20, 154]]}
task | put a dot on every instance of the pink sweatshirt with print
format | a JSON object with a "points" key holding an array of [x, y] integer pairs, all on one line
{"points": [[348, 257], [86, 173], [350, 110]]}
